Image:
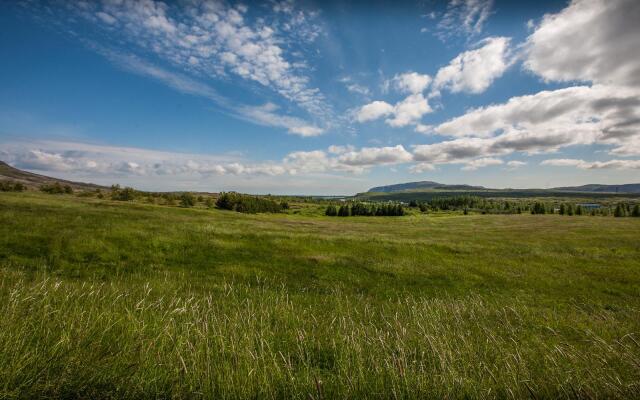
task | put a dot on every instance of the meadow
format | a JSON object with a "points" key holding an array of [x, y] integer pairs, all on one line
{"points": [[108, 299]]}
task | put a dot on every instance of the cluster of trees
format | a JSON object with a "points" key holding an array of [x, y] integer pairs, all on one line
{"points": [[249, 204], [56, 188], [358, 208], [467, 202], [539, 208], [120, 194], [568, 209], [625, 210], [11, 186]]}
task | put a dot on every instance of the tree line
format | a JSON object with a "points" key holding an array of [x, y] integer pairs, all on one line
{"points": [[364, 209], [249, 204]]}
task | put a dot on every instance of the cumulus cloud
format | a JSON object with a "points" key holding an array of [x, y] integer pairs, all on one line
{"points": [[368, 156], [473, 71], [591, 40], [411, 82], [406, 112], [409, 111], [605, 113], [550, 120], [373, 111]]}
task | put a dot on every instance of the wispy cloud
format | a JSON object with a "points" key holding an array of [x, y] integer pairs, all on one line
{"points": [[206, 40], [464, 17]]}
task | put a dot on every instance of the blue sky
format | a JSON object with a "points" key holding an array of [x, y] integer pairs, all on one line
{"points": [[321, 97]]}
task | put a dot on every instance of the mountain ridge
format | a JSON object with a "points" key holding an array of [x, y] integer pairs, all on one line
{"points": [[32, 180], [431, 185]]}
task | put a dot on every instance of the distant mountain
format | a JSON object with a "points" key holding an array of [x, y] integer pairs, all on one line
{"points": [[430, 185], [31, 180], [422, 185], [595, 188]]}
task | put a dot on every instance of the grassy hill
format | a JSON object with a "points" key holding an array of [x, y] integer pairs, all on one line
{"points": [[128, 300], [33, 181]]}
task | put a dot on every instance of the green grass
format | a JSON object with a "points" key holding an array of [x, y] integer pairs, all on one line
{"points": [[102, 299]]}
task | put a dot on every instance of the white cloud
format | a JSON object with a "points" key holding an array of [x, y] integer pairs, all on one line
{"points": [[81, 160], [590, 40], [406, 112], [610, 164], [550, 120], [480, 163], [376, 156], [411, 82], [267, 115], [374, 110], [262, 115], [473, 71], [356, 88], [464, 17], [515, 164], [421, 168], [409, 111]]}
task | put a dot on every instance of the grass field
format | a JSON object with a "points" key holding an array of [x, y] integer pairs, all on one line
{"points": [[102, 299]]}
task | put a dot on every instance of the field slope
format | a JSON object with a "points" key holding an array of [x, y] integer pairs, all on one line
{"points": [[102, 299]]}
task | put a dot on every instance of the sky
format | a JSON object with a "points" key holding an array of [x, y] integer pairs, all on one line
{"points": [[321, 97]]}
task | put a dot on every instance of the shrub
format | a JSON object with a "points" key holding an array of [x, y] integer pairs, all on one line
{"points": [[52, 188], [636, 211], [187, 200], [11, 186], [126, 194]]}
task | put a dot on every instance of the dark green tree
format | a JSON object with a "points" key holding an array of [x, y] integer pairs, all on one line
{"points": [[331, 211]]}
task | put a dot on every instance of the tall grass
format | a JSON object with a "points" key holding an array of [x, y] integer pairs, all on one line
{"points": [[104, 300]]}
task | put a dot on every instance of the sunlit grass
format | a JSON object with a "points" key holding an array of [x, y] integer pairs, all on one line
{"points": [[105, 299]]}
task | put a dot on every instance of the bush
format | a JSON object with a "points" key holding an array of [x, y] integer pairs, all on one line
{"points": [[126, 194], [11, 186], [247, 204], [187, 200], [636, 211], [52, 188]]}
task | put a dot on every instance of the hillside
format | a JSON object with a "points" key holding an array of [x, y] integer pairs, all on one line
{"points": [[422, 185], [597, 188], [632, 188], [33, 181]]}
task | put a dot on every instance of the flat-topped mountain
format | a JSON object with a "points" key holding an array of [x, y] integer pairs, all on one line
{"points": [[422, 185], [430, 185]]}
